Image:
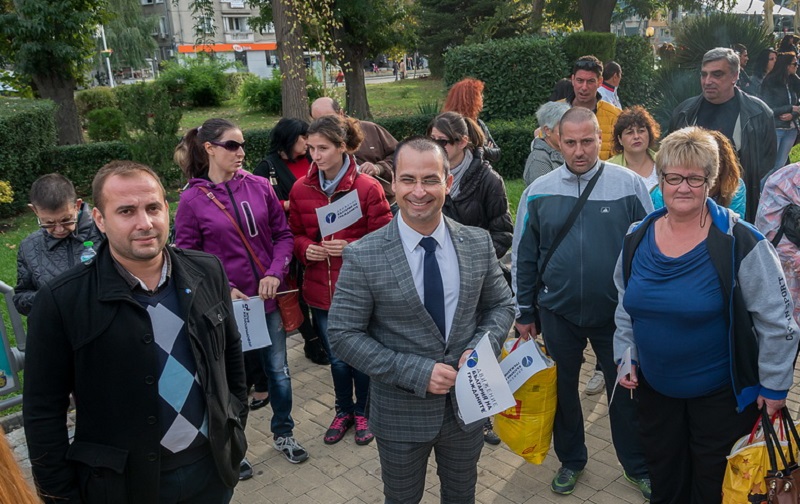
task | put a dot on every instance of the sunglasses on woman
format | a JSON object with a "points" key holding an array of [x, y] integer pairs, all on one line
{"points": [[230, 145], [441, 141]]}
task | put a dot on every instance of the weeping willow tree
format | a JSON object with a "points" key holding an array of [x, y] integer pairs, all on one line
{"points": [[130, 34]]}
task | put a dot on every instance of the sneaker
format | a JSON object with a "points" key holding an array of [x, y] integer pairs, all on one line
{"points": [[245, 470], [564, 481], [291, 449], [363, 434], [597, 383], [341, 423], [489, 434], [642, 483]]}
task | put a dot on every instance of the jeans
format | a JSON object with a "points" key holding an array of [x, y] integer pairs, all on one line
{"points": [[345, 377], [276, 366], [786, 138], [197, 483]]}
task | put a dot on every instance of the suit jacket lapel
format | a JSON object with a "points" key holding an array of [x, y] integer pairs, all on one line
{"points": [[396, 258]]}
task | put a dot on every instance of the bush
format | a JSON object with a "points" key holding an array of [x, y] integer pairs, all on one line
{"points": [[405, 126], [27, 128], [80, 163], [197, 82], [256, 146], [105, 124], [234, 81], [93, 99], [262, 94], [519, 73], [152, 127], [635, 56], [514, 139], [601, 45]]}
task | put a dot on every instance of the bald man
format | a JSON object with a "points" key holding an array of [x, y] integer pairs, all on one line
{"points": [[375, 154]]}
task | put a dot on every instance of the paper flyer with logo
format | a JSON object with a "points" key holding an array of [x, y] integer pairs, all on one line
{"points": [[340, 214], [624, 370], [481, 388], [522, 363], [252, 323]]}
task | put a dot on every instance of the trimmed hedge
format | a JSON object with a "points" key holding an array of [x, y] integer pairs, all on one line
{"points": [[601, 45], [519, 73], [94, 98], [27, 128], [405, 126], [256, 145], [80, 163], [635, 56], [105, 124]]}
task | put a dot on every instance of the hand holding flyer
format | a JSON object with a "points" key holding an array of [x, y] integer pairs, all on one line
{"points": [[481, 388]]}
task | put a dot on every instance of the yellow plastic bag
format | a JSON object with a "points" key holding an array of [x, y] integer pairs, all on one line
{"points": [[748, 463], [527, 427]]}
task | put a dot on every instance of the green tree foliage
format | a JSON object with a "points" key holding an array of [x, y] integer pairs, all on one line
{"points": [[601, 45], [635, 56], [52, 42], [444, 24], [196, 81], [129, 33]]}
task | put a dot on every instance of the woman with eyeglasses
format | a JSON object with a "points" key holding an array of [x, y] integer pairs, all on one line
{"points": [[229, 212], [477, 196], [702, 310], [65, 225], [728, 190], [780, 91], [334, 175]]}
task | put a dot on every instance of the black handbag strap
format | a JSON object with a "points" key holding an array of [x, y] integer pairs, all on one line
{"points": [[573, 215]]}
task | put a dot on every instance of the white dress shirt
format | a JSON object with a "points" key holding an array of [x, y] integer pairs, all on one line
{"points": [[448, 265]]}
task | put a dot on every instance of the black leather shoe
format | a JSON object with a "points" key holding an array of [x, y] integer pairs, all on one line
{"points": [[245, 470], [315, 352], [258, 403]]}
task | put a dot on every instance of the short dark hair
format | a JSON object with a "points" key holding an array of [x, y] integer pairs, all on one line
{"points": [[635, 116], [122, 169], [577, 115], [611, 69], [421, 143], [52, 192], [589, 63], [739, 48], [284, 135]]}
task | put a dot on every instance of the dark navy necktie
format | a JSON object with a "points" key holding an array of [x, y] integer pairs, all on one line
{"points": [[433, 289]]}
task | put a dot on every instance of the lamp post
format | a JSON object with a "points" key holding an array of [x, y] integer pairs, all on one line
{"points": [[107, 56]]}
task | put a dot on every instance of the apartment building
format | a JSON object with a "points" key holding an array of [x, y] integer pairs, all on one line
{"points": [[233, 39]]}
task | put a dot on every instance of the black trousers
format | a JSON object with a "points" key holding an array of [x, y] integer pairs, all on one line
{"points": [[686, 442], [565, 342]]}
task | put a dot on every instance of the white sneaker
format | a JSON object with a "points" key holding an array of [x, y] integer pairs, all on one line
{"points": [[597, 383]]}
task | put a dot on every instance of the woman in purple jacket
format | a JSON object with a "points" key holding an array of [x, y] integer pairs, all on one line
{"points": [[211, 157]]}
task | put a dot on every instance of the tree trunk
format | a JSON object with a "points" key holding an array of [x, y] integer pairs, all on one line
{"points": [[61, 89], [537, 14], [596, 14], [289, 35], [356, 90]]}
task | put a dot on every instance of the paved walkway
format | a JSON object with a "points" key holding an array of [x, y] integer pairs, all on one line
{"points": [[348, 473]]}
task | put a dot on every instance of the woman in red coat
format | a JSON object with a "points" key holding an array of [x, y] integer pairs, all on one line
{"points": [[333, 174]]}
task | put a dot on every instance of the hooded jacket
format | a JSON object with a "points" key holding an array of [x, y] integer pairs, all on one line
{"points": [[201, 225], [762, 333], [41, 257], [757, 148], [306, 196]]}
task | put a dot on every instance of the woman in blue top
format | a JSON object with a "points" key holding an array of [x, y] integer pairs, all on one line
{"points": [[702, 302]]}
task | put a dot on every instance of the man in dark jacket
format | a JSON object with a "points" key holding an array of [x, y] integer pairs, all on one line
{"points": [[65, 223], [745, 120], [145, 339]]}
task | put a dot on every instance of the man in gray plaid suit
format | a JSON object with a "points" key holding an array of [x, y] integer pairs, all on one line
{"points": [[385, 321]]}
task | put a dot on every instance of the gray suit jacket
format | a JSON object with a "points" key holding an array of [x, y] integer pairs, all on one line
{"points": [[378, 324]]}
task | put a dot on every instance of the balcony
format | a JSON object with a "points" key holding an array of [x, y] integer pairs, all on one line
{"points": [[238, 37]]}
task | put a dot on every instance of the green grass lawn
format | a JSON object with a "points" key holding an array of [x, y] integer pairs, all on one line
{"points": [[386, 99]]}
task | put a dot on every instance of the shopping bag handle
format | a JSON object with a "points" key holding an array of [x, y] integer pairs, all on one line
{"points": [[774, 445]]}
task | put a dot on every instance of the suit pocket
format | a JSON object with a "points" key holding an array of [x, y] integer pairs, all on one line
{"points": [[216, 318], [101, 472]]}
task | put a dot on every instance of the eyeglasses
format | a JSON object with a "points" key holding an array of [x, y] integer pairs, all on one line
{"points": [[443, 142], [52, 225], [793, 63], [676, 179], [426, 182], [230, 145], [587, 65]]}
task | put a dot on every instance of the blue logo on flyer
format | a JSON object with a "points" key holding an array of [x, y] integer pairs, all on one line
{"points": [[472, 360], [527, 361], [330, 218]]}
